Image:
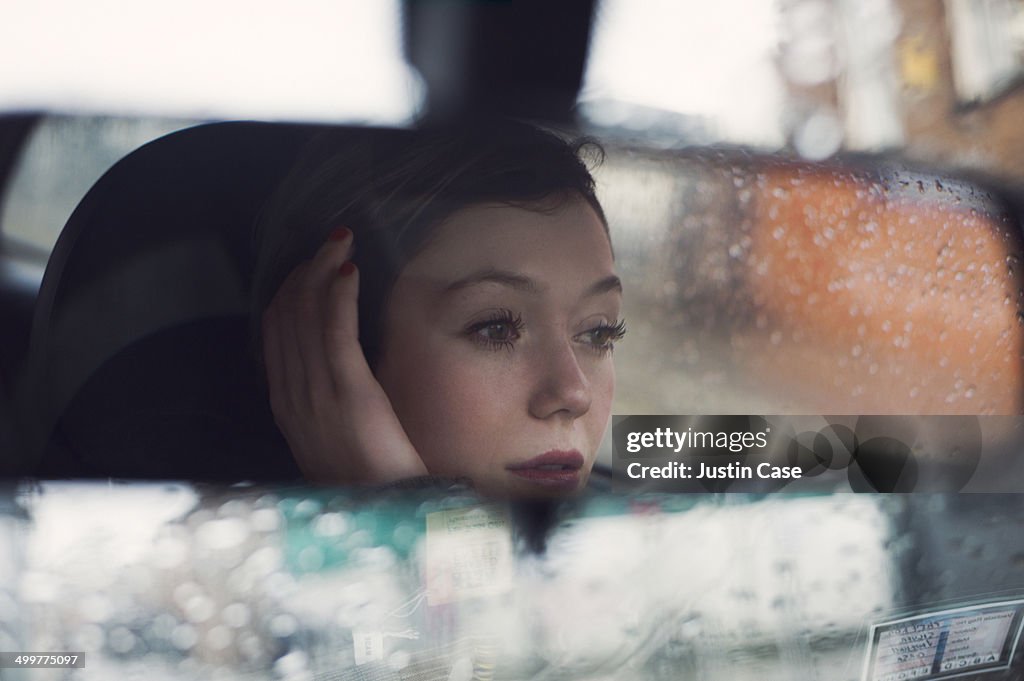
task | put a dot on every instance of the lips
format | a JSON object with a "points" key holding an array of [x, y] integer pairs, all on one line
{"points": [[556, 469]]}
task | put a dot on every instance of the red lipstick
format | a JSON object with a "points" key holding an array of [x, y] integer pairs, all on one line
{"points": [[557, 469]]}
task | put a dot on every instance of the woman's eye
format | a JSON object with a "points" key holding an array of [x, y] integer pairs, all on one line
{"points": [[604, 336], [499, 332]]}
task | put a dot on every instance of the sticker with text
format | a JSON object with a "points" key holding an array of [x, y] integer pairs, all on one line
{"points": [[945, 644], [469, 554], [368, 646]]}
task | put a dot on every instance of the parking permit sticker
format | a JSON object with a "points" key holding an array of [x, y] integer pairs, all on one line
{"points": [[945, 644], [469, 554]]}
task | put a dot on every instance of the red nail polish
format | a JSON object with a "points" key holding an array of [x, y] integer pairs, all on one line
{"points": [[340, 234], [347, 268]]}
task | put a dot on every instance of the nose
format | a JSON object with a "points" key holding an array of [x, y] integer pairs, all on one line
{"points": [[561, 388]]}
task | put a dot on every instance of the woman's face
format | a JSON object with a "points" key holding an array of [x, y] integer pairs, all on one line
{"points": [[497, 352]]}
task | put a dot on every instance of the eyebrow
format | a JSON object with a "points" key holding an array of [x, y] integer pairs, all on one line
{"points": [[519, 282]]}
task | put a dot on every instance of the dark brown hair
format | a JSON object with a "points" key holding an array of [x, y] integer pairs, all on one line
{"points": [[392, 188]]}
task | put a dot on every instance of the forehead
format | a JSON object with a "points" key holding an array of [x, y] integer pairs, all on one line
{"points": [[569, 239]]}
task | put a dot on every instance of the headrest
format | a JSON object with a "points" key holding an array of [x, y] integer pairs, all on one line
{"points": [[186, 402], [161, 241]]}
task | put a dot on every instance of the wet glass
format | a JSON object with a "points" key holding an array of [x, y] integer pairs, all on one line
{"points": [[292, 583], [861, 253]]}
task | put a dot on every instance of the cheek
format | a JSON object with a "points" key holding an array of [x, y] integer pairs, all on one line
{"points": [[453, 404], [602, 385], [467, 412], [606, 387]]}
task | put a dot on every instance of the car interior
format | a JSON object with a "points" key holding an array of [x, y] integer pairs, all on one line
{"points": [[826, 237]]}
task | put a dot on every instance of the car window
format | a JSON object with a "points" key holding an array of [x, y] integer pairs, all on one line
{"points": [[777, 286], [60, 161]]}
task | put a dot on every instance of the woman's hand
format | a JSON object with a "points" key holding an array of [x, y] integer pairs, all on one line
{"points": [[336, 418]]}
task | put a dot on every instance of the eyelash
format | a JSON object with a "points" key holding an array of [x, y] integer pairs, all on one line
{"points": [[499, 318], [608, 333], [611, 333]]}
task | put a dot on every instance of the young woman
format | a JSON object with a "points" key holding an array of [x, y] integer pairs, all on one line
{"points": [[440, 303]]}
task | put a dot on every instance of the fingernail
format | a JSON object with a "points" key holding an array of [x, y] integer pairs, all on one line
{"points": [[340, 234], [347, 268]]}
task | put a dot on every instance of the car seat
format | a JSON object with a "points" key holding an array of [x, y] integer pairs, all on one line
{"points": [[139, 364]]}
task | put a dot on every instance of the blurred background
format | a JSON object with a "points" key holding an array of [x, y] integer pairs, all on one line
{"points": [[302, 584]]}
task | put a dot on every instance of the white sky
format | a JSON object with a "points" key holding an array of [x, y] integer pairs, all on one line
{"points": [[301, 60], [341, 60], [708, 59]]}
